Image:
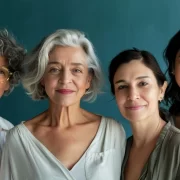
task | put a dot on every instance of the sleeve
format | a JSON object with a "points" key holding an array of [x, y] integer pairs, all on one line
{"points": [[178, 174], [173, 154], [122, 140], [120, 137], [5, 168]]}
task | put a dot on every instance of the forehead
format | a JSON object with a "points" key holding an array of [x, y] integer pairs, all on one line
{"points": [[3, 61], [75, 54], [132, 70]]}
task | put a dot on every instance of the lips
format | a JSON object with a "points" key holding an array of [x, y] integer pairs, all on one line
{"points": [[134, 107], [65, 91]]}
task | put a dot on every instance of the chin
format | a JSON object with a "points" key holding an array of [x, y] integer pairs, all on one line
{"points": [[65, 103], [135, 118]]}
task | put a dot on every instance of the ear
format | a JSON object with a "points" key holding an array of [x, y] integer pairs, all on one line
{"points": [[7, 86], [162, 90], [42, 81], [89, 79]]}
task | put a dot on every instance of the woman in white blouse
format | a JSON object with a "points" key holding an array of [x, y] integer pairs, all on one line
{"points": [[11, 56], [65, 141]]}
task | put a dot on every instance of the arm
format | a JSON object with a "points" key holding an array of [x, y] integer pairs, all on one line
{"points": [[178, 175], [5, 168]]}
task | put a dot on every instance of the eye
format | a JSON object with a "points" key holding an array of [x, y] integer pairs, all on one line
{"points": [[76, 70], [122, 87], [2, 73], [54, 71], [143, 83]]}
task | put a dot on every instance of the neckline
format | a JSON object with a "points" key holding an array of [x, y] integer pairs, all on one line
{"points": [[39, 143], [158, 143]]}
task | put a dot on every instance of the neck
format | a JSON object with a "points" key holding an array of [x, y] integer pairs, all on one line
{"points": [[146, 131], [63, 116]]}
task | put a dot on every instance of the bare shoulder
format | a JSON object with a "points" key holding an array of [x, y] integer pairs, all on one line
{"points": [[32, 123]]}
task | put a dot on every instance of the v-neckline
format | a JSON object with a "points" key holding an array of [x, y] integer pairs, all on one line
{"points": [[158, 143], [36, 140]]}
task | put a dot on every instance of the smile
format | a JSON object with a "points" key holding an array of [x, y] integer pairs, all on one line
{"points": [[65, 91], [134, 107]]}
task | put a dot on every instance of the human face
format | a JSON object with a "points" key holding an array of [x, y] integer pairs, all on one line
{"points": [[137, 92], [177, 68], [4, 84], [66, 77]]}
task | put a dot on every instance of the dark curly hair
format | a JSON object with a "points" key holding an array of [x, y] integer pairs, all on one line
{"points": [[14, 54], [172, 95]]}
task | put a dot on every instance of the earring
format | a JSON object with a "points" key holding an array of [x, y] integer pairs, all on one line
{"points": [[161, 98]]}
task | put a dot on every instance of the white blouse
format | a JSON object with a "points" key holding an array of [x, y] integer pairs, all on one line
{"points": [[4, 127], [26, 158]]}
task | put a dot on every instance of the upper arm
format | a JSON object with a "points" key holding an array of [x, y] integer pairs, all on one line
{"points": [[5, 169], [119, 135]]}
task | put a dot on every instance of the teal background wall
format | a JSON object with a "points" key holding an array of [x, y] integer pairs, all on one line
{"points": [[111, 25]]}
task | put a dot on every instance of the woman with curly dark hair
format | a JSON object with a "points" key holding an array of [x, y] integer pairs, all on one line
{"points": [[11, 56], [172, 96]]}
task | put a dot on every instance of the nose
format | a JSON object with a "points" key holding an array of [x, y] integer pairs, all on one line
{"points": [[65, 77], [133, 94]]}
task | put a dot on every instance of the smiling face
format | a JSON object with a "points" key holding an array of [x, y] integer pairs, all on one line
{"points": [[66, 77], [137, 92], [4, 85], [177, 68]]}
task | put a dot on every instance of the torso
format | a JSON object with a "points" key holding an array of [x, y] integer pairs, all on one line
{"points": [[163, 161], [67, 145], [138, 156], [136, 162]]}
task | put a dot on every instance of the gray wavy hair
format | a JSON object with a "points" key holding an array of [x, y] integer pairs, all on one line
{"points": [[14, 55], [37, 60]]}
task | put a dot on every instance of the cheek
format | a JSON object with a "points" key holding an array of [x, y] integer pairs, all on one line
{"points": [[49, 85], [177, 74], [49, 81], [120, 99], [152, 98], [4, 87], [82, 83]]}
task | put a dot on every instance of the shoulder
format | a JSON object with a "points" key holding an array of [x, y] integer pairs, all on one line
{"points": [[112, 122], [114, 126], [5, 124], [175, 133], [173, 137], [15, 133]]}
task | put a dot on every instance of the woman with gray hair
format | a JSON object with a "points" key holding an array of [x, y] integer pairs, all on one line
{"points": [[65, 141], [11, 57]]}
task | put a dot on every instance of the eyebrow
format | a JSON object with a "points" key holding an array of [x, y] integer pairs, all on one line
{"points": [[73, 63], [140, 77], [53, 62]]}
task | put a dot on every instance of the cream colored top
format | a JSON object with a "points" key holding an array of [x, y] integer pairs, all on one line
{"points": [[4, 127], [26, 158]]}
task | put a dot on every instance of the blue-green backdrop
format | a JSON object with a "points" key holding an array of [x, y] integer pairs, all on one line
{"points": [[111, 25]]}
